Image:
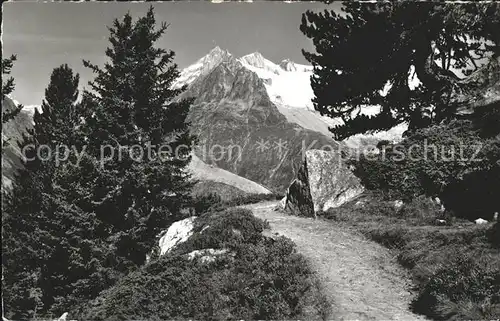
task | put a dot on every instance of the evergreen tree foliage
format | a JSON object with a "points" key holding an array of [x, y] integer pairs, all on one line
{"points": [[137, 191], [453, 161], [36, 219], [73, 226], [8, 86], [59, 109], [368, 54]]}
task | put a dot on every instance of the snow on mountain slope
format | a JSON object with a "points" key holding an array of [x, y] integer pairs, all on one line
{"points": [[287, 85], [260, 64], [289, 65], [366, 141], [29, 109], [201, 67], [308, 118]]}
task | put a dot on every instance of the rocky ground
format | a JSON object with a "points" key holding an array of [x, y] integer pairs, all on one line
{"points": [[361, 278]]}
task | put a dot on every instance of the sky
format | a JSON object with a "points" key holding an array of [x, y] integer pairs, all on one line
{"points": [[46, 35]]}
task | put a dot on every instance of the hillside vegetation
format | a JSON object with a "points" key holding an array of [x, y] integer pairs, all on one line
{"points": [[256, 277], [425, 190], [421, 206], [78, 232], [456, 268], [205, 172]]}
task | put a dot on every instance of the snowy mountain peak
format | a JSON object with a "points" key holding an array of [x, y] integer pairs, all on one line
{"points": [[214, 57], [289, 65], [256, 60], [287, 84], [30, 109], [203, 66], [217, 49], [217, 54]]}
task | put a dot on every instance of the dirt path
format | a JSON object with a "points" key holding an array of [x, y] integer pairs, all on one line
{"points": [[361, 279]]}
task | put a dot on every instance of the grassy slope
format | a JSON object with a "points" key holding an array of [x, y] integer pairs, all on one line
{"points": [[456, 268], [224, 191], [258, 278], [204, 172]]}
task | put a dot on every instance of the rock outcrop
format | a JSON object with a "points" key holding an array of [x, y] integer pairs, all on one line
{"points": [[12, 134], [298, 199], [208, 255], [176, 234], [480, 221], [323, 181]]}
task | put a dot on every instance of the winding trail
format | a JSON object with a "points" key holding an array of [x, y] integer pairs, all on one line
{"points": [[361, 279]]}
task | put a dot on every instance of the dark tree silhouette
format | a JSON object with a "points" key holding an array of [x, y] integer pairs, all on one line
{"points": [[372, 46], [8, 85], [132, 104], [36, 249]]}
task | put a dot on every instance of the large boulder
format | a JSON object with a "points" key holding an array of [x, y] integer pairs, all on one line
{"points": [[323, 181], [298, 199], [176, 234]]}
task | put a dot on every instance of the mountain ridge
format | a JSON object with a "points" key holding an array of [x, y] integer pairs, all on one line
{"points": [[233, 111], [287, 84]]}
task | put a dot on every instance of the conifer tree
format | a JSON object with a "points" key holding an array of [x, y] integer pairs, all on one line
{"points": [[43, 235], [59, 109], [370, 47], [8, 86], [132, 104]]}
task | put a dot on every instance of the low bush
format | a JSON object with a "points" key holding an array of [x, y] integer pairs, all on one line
{"points": [[454, 161], [260, 278], [224, 191], [467, 288], [456, 268], [203, 203], [376, 207], [494, 235], [226, 229], [213, 202], [253, 198]]}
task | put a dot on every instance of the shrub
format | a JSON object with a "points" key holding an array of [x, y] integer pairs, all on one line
{"points": [[224, 191], [424, 211], [376, 207], [452, 161], [456, 268], [253, 198], [213, 202], [203, 203], [229, 228], [468, 288], [494, 235], [261, 278]]}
